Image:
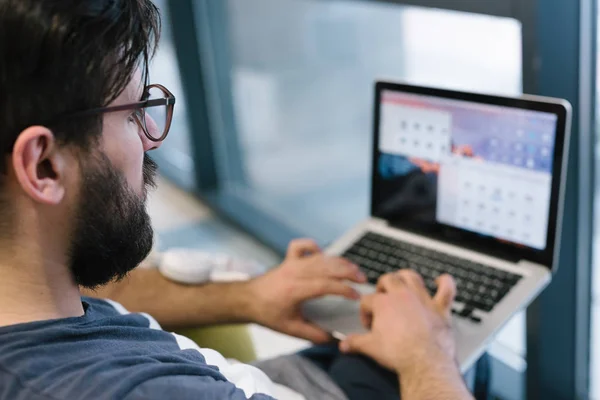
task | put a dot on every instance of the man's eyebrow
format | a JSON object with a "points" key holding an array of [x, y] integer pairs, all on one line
{"points": [[132, 97]]}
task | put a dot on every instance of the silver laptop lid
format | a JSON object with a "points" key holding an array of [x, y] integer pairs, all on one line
{"points": [[483, 172]]}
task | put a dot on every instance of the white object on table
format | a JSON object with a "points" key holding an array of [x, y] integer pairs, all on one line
{"points": [[194, 267]]}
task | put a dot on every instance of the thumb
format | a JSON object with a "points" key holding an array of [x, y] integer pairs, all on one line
{"points": [[446, 292], [362, 344], [302, 247]]}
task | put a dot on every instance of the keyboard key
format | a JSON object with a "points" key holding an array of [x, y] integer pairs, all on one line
{"points": [[475, 319], [466, 297], [487, 304], [498, 284], [400, 253], [488, 272], [513, 279], [430, 285], [499, 274], [356, 259], [450, 270], [372, 276], [502, 293], [381, 268], [461, 273], [466, 312]]}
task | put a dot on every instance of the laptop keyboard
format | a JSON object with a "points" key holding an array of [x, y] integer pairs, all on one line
{"points": [[478, 286]]}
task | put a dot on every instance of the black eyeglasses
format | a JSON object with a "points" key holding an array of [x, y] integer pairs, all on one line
{"points": [[158, 104]]}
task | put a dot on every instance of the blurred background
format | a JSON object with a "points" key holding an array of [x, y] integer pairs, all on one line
{"points": [[271, 136]]}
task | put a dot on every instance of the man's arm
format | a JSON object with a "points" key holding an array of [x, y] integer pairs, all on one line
{"points": [[177, 306], [434, 379], [272, 300]]}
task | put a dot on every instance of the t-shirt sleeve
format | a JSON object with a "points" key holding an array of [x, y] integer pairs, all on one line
{"points": [[183, 387]]}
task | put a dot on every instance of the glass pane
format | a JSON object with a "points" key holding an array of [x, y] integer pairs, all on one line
{"points": [[302, 78], [302, 74], [175, 154], [156, 118]]}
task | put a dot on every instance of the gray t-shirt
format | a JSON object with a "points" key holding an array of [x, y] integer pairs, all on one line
{"points": [[110, 354]]}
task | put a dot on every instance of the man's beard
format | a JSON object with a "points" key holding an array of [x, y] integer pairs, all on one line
{"points": [[113, 232]]}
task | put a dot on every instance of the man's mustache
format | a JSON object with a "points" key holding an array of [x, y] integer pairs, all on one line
{"points": [[150, 168]]}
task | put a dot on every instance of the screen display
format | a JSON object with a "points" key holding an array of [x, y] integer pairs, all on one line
{"points": [[481, 168]]}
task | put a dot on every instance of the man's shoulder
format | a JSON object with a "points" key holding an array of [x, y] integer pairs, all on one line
{"points": [[126, 384], [106, 351], [109, 354], [186, 387]]}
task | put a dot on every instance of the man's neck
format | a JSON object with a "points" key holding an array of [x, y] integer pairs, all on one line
{"points": [[36, 288]]}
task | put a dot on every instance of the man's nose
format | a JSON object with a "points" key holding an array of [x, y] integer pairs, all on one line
{"points": [[153, 130]]}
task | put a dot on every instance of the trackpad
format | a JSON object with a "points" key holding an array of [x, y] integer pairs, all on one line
{"points": [[335, 314]]}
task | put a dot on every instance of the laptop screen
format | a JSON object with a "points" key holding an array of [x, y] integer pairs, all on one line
{"points": [[480, 168]]}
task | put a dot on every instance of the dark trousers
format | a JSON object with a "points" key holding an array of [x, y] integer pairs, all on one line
{"points": [[362, 378], [357, 376]]}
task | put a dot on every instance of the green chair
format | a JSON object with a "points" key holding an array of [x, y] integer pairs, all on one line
{"points": [[232, 341]]}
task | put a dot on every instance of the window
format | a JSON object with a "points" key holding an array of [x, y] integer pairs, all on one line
{"points": [[174, 156], [301, 82]]}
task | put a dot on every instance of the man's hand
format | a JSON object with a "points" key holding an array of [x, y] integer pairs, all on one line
{"points": [[406, 324], [305, 274], [411, 334]]}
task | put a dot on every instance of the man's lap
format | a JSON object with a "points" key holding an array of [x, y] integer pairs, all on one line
{"points": [[330, 375], [301, 375], [321, 372]]}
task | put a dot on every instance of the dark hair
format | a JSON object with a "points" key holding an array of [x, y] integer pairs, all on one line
{"points": [[61, 56]]}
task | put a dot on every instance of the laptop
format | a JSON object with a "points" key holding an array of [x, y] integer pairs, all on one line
{"points": [[466, 184]]}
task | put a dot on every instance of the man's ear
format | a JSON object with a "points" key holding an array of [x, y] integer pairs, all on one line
{"points": [[40, 165]]}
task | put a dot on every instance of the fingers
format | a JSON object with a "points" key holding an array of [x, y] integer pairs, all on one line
{"points": [[366, 310], [308, 331], [389, 282], [411, 279], [398, 279], [336, 268], [415, 282], [302, 247], [403, 280], [339, 268], [361, 344], [445, 293]]}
